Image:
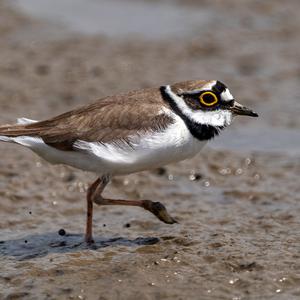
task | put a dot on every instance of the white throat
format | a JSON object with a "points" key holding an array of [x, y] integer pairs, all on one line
{"points": [[218, 118]]}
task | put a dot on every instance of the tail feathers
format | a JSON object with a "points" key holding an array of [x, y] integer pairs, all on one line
{"points": [[15, 130], [9, 131]]}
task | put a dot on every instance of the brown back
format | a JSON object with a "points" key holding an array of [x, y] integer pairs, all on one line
{"points": [[109, 119]]}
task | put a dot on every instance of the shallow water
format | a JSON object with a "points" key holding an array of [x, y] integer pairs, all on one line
{"points": [[118, 18]]}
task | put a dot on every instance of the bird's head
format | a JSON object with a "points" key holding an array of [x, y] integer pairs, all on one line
{"points": [[206, 102]]}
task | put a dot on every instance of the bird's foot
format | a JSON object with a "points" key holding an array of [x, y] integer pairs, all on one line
{"points": [[159, 211]]}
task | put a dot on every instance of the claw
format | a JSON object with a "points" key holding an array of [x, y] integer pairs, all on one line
{"points": [[159, 211]]}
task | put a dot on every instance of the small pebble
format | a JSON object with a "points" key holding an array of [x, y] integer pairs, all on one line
{"points": [[161, 171], [198, 176], [195, 177], [61, 232], [127, 225]]}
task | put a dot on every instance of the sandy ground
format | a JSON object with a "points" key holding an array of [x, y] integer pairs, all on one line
{"points": [[238, 211]]}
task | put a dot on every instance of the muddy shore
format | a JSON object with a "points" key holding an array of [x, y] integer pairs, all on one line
{"points": [[238, 205]]}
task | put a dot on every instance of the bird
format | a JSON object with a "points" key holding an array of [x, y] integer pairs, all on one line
{"points": [[131, 132]]}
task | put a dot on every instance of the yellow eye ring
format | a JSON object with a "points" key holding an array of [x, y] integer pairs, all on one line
{"points": [[208, 99]]}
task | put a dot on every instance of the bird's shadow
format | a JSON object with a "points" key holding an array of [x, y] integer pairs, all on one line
{"points": [[34, 246]]}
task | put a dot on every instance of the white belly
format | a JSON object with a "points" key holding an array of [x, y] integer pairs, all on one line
{"points": [[147, 151]]}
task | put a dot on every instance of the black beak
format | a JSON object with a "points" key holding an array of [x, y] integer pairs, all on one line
{"points": [[239, 109]]}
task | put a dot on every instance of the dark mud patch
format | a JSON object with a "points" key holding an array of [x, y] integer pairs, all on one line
{"points": [[34, 246]]}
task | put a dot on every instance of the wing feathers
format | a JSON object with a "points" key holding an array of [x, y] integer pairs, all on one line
{"points": [[112, 118]]}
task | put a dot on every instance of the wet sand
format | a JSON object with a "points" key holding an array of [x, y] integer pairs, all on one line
{"points": [[237, 202]]}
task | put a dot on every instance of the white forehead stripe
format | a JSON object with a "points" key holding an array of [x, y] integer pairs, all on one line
{"points": [[209, 85], [226, 95]]}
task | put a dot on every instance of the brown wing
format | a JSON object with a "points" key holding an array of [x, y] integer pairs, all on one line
{"points": [[109, 119]]}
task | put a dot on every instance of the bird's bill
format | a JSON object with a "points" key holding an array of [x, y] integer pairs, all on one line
{"points": [[239, 109]]}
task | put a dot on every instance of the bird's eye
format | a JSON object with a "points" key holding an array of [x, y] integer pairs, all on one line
{"points": [[208, 99]]}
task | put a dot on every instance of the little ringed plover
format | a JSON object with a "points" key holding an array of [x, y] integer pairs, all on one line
{"points": [[132, 132]]}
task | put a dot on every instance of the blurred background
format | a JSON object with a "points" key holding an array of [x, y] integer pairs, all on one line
{"points": [[237, 202]]}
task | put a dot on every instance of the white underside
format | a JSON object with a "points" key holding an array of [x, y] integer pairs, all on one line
{"points": [[146, 151]]}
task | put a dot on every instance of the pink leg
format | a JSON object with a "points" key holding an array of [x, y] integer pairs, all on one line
{"points": [[94, 195], [155, 208], [89, 217]]}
